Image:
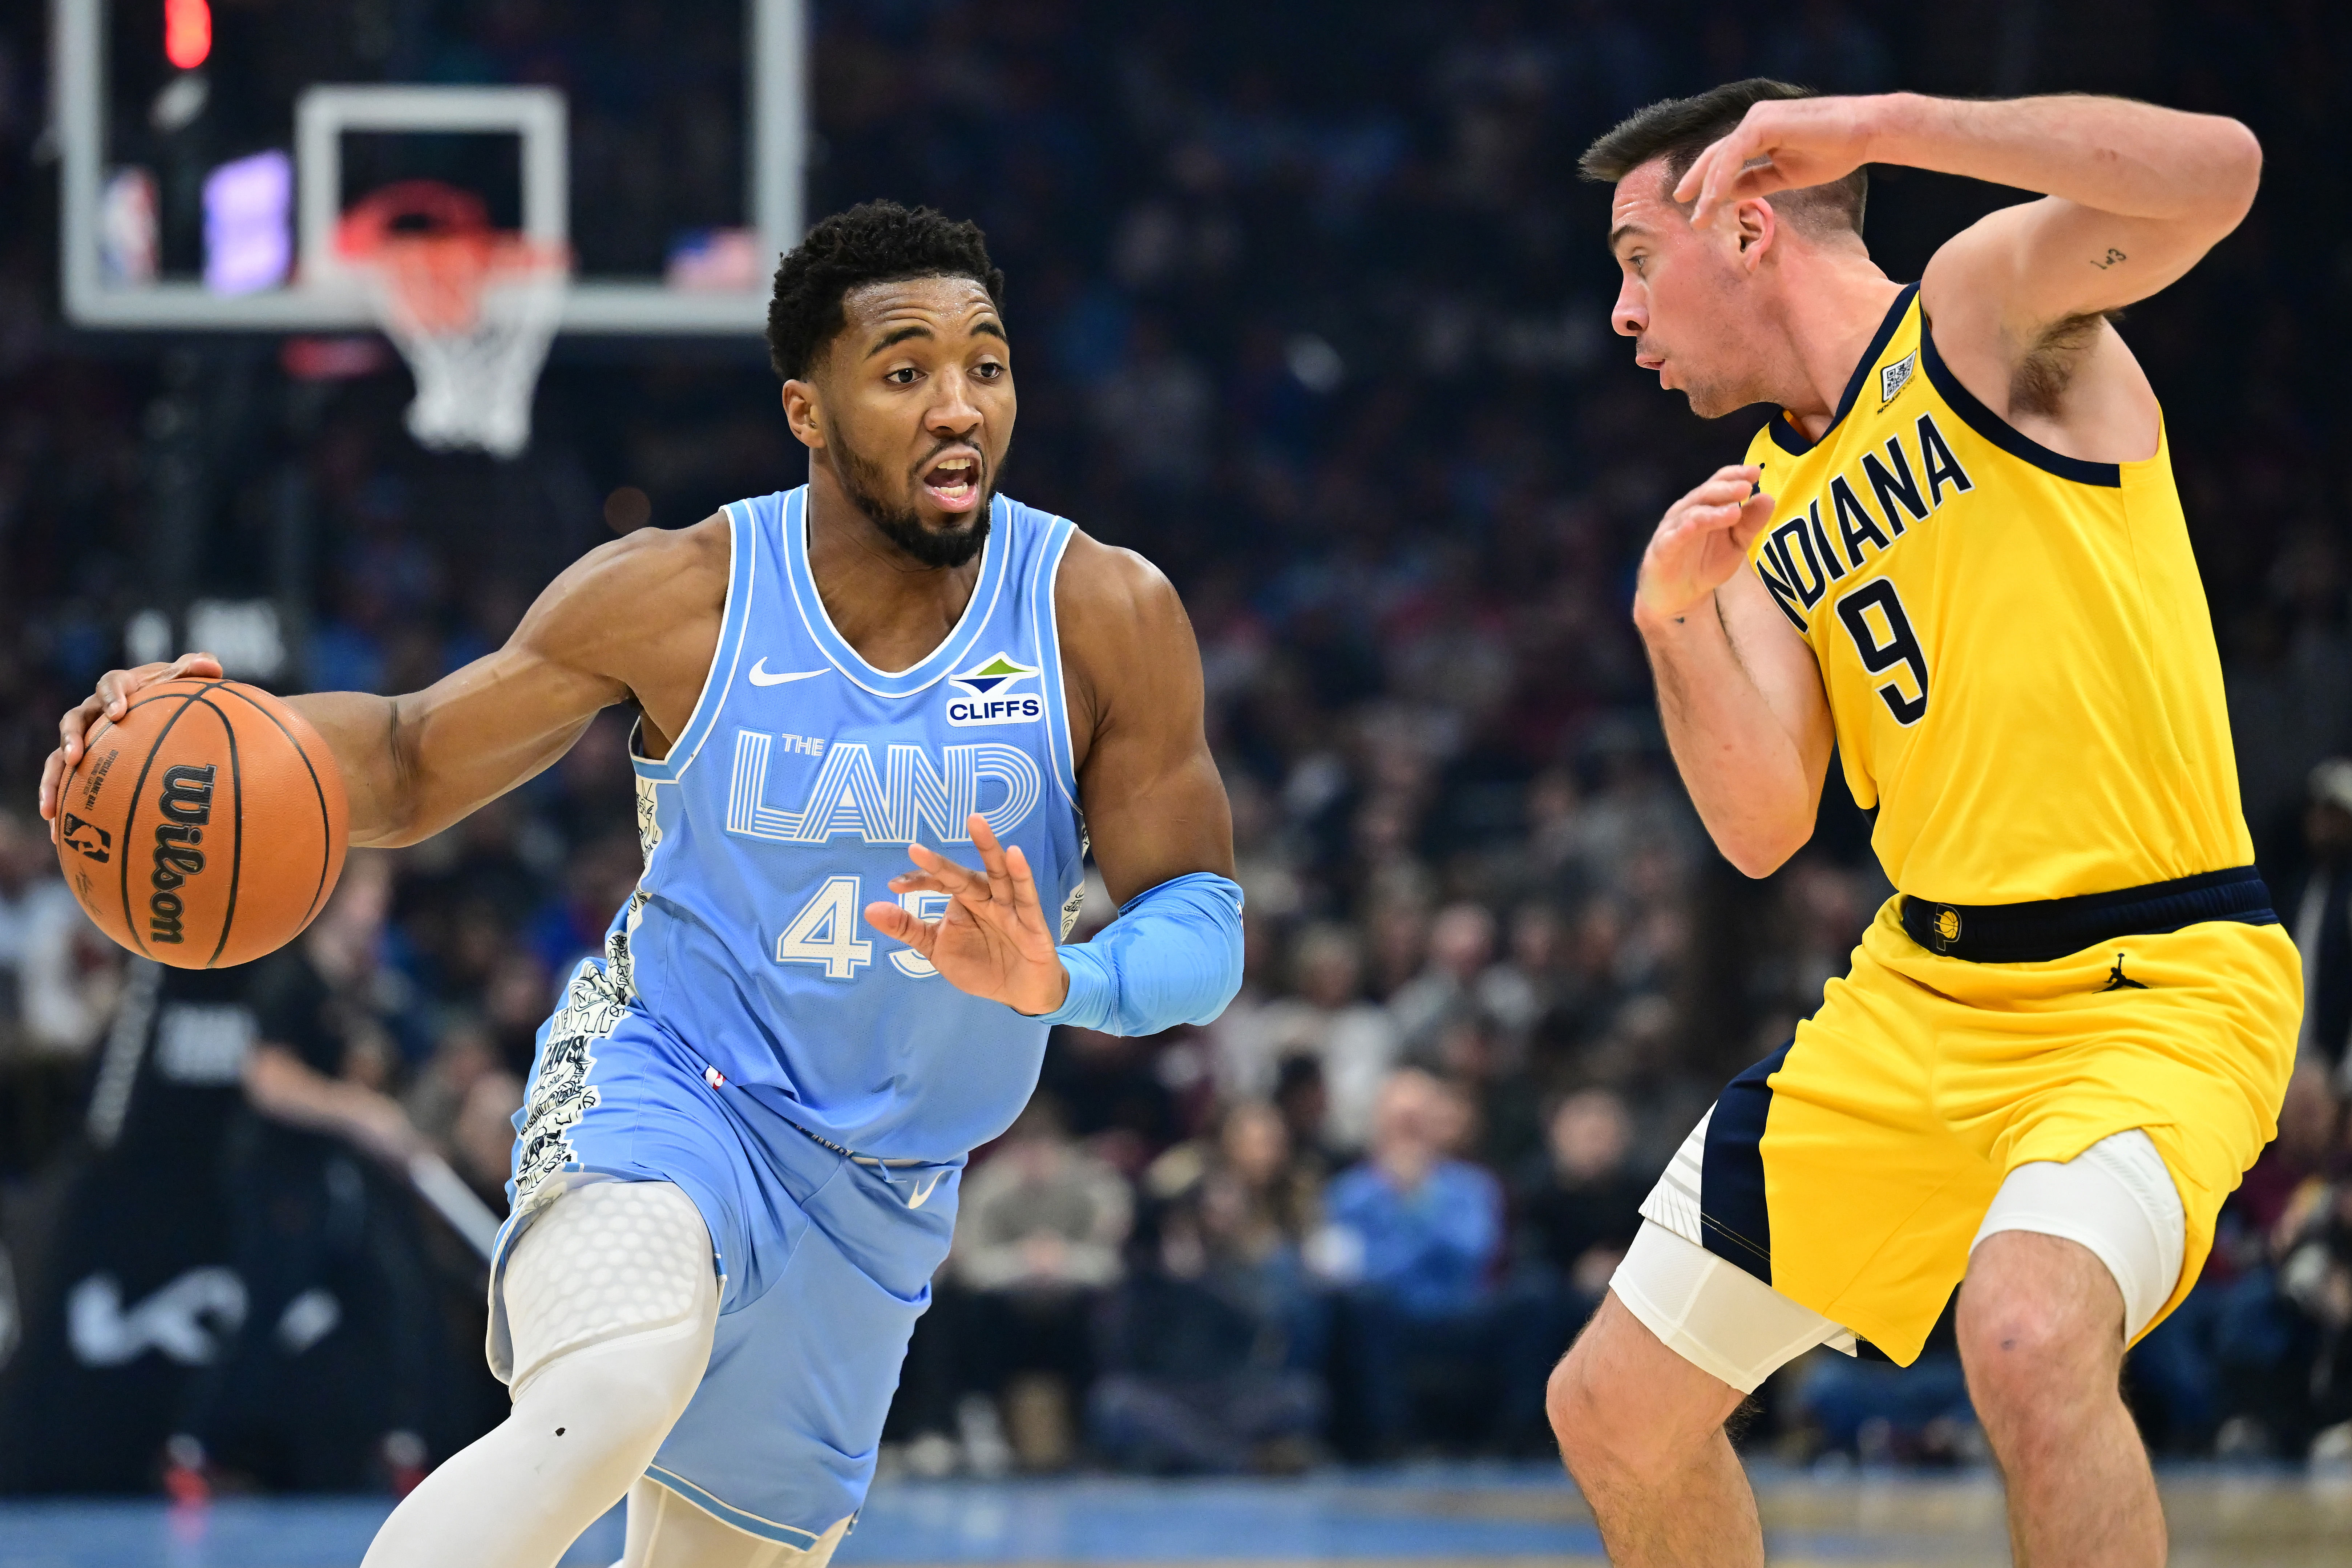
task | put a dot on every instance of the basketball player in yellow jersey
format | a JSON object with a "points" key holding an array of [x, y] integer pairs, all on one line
{"points": [[1957, 559]]}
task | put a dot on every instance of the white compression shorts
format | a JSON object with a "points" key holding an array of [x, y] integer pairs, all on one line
{"points": [[2116, 1198]]}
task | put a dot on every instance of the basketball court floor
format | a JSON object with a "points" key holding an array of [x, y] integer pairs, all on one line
{"points": [[1449, 1517]]}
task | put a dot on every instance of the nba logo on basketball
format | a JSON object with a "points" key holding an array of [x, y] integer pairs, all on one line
{"points": [[85, 838]]}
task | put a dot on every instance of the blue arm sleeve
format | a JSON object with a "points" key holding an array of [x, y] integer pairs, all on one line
{"points": [[1173, 956]]}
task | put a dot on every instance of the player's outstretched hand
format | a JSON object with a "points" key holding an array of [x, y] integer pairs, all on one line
{"points": [[1781, 144], [992, 940], [113, 698], [1700, 542]]}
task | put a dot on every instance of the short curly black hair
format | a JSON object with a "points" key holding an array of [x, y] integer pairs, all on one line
{"points": [[873, 242]]}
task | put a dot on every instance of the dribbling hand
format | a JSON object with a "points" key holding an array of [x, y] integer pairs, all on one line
{"points": [[113, 698], [1700, 542], [992, 940]]}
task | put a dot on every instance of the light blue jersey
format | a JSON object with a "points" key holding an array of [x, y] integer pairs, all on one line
{"points": [[787, 803], [743, 1015]]}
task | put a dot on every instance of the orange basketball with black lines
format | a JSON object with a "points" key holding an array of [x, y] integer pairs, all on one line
{"points": [[205, 826]]}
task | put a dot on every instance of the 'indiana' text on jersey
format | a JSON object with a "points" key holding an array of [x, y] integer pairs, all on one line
{"points": [[2014, 642], [786, 806]]}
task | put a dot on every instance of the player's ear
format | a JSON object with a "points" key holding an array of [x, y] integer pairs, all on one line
{"points": [[801, 412], [1754, 226]]}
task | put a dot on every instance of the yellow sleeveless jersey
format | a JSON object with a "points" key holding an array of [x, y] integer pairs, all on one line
{"points": [[2015, 644]]}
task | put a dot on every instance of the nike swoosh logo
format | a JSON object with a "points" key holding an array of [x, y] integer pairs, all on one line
{"points": [[923, 1194], [759, 676]]}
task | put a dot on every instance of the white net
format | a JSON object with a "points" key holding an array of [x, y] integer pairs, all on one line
{"points": [[473, 316]]}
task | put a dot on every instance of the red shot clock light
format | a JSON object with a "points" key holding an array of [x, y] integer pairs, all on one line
{"points": [[187, 32]]}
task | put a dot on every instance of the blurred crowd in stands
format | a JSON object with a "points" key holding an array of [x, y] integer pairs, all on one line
{"points": [[1309, 308]]}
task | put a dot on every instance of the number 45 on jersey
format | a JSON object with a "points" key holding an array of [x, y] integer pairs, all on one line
{"points": [[825, 932]]}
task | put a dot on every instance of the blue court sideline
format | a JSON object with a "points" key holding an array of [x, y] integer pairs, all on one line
{"points": [[1453, 1516], [1417, 1514]]}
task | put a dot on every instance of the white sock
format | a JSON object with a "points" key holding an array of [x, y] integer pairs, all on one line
{"points": [[621, 1259]]}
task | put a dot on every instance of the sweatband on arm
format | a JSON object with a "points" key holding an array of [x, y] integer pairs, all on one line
{"points": [[1172, 956]]}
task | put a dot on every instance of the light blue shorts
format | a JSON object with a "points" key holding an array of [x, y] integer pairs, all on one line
{"points": [[825, 1264]]}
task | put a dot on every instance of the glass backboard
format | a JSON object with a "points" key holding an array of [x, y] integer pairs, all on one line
{"points": [[209, 147]]}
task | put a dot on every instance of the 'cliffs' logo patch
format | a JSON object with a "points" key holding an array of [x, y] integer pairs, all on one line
{"points": [[991, 694]]}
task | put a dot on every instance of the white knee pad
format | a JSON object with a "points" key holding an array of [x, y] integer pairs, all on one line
{"points": [[605, 1259], [1715, 1314], [665, 1530], [601, 1322], [2116, 1198]]}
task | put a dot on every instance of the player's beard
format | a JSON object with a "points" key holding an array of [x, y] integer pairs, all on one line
{"points": [[1713, 400], [950, 547]]}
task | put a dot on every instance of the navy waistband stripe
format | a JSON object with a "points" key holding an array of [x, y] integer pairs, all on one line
{"points": [[2054, 928]]}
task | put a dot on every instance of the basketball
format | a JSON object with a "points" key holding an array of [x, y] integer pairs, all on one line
{"points": [[205, 827]]}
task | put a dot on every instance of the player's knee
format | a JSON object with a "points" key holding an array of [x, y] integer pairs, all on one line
{"points": [[2010, 1338], [598, 1413], [2031, 1345], [644, 1391], [1578, 1402], [1606, 1424], [1567, 1401], [614, 1402]]}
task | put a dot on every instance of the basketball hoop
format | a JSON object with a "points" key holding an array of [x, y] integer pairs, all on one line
{"points": [[472, 309]]}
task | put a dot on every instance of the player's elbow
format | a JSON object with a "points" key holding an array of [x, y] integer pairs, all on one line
{"points": [[1760, 849], [1755, 861], [2237, 156]]}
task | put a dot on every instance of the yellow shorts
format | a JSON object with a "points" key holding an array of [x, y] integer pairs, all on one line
{"points": [[1852, 1169]]}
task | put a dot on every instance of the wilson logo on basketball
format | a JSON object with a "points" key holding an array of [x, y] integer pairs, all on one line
{"points": [[187, 802]]}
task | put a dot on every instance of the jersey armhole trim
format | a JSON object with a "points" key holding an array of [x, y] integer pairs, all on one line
{"points": [[2000, 431], [742, 564], [1049, 657]]}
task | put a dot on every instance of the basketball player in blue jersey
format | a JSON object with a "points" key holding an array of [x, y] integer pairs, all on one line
{"points": [[882, 717]]}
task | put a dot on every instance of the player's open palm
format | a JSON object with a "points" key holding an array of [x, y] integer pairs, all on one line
{"points": [[993, 939], [1702, 540]]}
